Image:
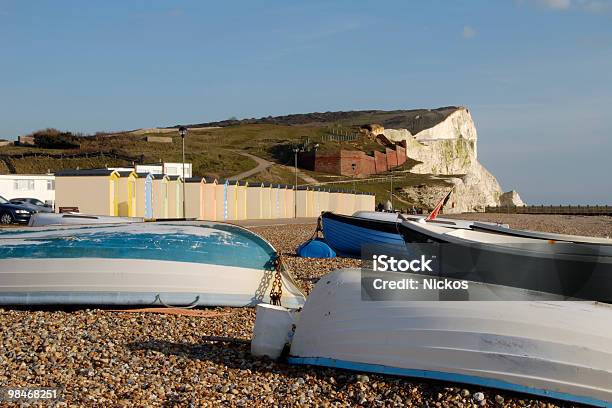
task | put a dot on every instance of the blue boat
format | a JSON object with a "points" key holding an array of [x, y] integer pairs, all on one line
{"points": [[165, 263], [347, 234]]}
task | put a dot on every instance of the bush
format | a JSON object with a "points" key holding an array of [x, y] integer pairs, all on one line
{"points": [[55, 139]]}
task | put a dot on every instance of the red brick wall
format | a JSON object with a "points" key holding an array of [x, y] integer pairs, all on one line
{"points": [[380, 162], [341, 162], [327, 163], [401, 154], [391, 158]]}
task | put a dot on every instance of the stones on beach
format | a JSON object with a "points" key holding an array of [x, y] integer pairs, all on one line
{"points": [[103, 358]]}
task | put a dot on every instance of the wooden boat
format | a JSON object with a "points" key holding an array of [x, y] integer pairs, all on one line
{"points": [[556, 349], [578, 270], [171, 263], [42, 219]]}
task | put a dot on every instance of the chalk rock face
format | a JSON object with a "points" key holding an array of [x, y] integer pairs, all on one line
{"points": [[511, 198], [450, 148]]}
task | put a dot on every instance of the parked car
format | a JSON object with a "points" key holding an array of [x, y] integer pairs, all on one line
{"points": [[35, 203], [10, 213]]}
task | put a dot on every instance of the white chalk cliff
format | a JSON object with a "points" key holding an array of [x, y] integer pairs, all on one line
{"points": [[449, 147]]}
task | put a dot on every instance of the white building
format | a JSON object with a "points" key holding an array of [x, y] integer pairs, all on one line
{"points": [[39, 186], [169, 169]]}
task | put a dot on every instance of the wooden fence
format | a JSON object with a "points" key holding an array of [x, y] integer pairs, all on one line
{"points": [[553, 209]]}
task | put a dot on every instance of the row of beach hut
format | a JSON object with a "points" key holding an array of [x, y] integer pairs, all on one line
{"points": [[157, 196]]}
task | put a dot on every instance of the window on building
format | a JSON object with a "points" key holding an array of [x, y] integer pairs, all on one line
{"points": [[50, 184], [24, 185]]}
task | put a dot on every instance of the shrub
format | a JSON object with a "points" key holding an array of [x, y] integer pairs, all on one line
{"points": [[55, 139]]}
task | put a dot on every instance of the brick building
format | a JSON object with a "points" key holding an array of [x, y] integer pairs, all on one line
{"points": [[353, 162]]}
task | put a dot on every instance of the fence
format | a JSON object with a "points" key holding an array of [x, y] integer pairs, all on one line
{"points": [[553, 209]]}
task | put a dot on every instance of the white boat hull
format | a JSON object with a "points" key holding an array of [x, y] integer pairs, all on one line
{"points": [[97, 281], [556, 349]]}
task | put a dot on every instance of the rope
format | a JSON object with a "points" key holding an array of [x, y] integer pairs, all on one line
{"points": [[189, 306]]}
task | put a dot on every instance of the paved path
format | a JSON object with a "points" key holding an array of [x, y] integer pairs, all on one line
{"points": [[262, 164]]}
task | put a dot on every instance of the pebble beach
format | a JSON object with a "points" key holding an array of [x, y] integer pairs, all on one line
{"points": [[107, 358]]}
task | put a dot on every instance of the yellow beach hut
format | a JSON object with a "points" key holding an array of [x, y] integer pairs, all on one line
{"points": [[348, 203], [323, 201], [241, 200], [144, 195], [335, 201], [266, 201], [193, 197], [94, 191], [302, 201], [160, 196], [126, 187], [175, 197], [290, 202], [208, 209], [231, 193], [254, 201]]}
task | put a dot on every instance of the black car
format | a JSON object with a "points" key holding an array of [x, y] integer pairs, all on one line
{"points": [[33, 203], [10, 213]]}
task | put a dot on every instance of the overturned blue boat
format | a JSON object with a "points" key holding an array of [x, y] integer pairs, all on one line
{"points": [[165, 263], [347, 234]]}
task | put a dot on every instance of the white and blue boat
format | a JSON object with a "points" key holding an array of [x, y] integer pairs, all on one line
{"points": [[348, 234], [538, 345], [164, 263]]}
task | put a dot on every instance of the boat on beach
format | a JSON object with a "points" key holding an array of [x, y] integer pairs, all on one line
{"points": [[506, 230], [576, 270], [169, 263], [43, 219], [551, 348], [348, 234]]}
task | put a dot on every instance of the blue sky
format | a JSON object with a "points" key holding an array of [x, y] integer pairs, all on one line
{"points": [[536, 74]]}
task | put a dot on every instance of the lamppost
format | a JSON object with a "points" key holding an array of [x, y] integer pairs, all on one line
{"points": [[353, 165], [183, 131], [391, 192], [296, 150]]}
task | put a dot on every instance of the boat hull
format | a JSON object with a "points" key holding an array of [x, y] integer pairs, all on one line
{"points": [[571, 270], [199, 264], [347, 235], [550, 348]]}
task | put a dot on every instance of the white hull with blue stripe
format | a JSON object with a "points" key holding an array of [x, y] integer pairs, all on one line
{"points": [[557, 349], [173, 263]]}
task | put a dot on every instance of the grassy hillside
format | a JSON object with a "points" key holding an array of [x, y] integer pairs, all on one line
{"points": [[213, 148]]}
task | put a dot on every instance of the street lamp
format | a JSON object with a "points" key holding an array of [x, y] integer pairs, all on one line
{"points": [[296, 150], [353, 165], [391, 192], [183, 131]]}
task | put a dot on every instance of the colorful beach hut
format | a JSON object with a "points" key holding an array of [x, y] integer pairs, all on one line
{"points": [[323, 201], [221, 201], [254, 201], [266, 201], [126, 187], [335, 201], [290, 202], [144, 195], [94, 191], [175, 197], [193, 197], [231, 200], [160, 195], [348, 203], [241, 200], [302, 201], [208, 209]]}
